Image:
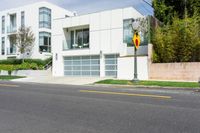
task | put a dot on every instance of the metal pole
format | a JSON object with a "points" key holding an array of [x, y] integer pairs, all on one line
{"points": [[135, 66]]}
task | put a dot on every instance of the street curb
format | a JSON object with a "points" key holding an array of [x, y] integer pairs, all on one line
{"points": [[148, 87]]}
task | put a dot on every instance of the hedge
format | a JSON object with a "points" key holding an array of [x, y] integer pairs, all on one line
{"points": [[23, 66], [19, 61]]}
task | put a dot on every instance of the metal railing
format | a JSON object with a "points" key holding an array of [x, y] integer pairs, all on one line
{"points": [[11, 29], [48, 65], [67, 45]]}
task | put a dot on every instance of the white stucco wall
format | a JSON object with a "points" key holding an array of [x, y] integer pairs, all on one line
{"points": [[32, 20], [106, 35], [126, 68]]}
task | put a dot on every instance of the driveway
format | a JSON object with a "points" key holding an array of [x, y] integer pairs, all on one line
{"points": [[60, 80]]}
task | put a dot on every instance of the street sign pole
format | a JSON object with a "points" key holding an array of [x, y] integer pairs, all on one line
{"points": [[136, 41], [135, 66]]}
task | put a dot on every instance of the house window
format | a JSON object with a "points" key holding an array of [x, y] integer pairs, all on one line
{"points": [[80, 38], [3, 46], [22, 19], [45, 42], [45, 18], [3, 25]]}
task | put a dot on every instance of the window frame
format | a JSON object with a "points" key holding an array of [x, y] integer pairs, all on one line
{"points": [[42, 35], [45, 12]]}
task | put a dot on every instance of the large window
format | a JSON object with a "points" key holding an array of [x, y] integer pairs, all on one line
{"points": [[22, 19], [3, 46], [80, 38], [45, 42], [44, 18], [3, 25]]}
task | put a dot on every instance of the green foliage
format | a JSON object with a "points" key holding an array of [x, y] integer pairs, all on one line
{"points": [[151, 83], [11, 61], [39, 62], [5, 77], [165, 10], [29, 64], [177, 42]]}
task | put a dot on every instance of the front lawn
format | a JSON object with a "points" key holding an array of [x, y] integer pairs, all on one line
{"points": [[5, 77], [151, 83]]}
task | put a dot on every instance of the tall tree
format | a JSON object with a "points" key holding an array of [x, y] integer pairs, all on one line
{"points": [[165, 10], [25, 40]]}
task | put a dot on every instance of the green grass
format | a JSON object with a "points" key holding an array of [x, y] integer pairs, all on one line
{"points": [[5, 77], [151, 83]]}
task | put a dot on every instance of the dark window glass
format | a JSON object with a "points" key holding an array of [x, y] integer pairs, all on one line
{"points": [[3, 25], [22, 19], [3, 45], [44, 42], [45, 18]]}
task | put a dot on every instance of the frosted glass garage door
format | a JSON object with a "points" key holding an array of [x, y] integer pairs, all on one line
{"points": [[82, 66], [111, 65]]}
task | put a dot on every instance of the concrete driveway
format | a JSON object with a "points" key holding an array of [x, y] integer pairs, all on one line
{"points": [[60, 80]]}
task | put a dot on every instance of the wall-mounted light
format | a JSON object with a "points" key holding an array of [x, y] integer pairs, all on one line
{"points": [[101, 54], [56, 57]]}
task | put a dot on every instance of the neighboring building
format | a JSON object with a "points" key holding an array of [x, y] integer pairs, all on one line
{"points": [[94, 45], [39, 17]]}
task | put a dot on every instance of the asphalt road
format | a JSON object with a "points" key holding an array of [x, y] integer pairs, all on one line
{"points": [[40, 108]]}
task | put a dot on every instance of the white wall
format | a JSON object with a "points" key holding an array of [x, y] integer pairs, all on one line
{"points": [[126, 68], [32, 20], [106, 35]]}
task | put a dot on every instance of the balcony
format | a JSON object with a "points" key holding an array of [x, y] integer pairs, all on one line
{"points": [[69, 45], [11, 51], [11, 29]]}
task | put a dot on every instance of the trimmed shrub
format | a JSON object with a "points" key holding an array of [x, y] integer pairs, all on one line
{"points": [[11, 61], [19, 61]]}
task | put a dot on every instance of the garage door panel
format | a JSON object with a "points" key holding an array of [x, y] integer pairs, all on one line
{"points": [[82, 66], [111, 65]]}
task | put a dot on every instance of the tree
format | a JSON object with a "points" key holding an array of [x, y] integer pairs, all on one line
{"points": [[178, 42], [165, 10], [25, 40]]}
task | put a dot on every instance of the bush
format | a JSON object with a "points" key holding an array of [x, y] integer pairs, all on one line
{"points": [[9, 68], [39, 62], [29, 64], [11, 61], [34, 66], [177, 42]]}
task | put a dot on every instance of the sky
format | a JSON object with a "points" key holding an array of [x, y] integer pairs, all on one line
{"points": [[85, 6]]}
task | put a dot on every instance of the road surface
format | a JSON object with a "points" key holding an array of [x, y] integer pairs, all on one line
{"points": [[43, 108]]}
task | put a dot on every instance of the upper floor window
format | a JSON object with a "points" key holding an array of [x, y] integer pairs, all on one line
{"points": [[3, 46], [80, 38], [3, 25], [44, 42], [22, 19], [45, 18]]}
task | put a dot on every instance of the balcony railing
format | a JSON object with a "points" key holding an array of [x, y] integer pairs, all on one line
{"points": [[67, 45], [11, 51], [11, 29]]}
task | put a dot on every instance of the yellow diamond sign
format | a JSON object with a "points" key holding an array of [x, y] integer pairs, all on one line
{"points": [[136, 40]]}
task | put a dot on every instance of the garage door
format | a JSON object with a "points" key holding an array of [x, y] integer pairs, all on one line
{"points": [[82, 66], [111, 65]]}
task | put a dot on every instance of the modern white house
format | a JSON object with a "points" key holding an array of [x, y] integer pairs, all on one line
{"points": [[39, 17], [95, 45]]}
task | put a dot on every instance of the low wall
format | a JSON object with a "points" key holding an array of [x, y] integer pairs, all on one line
{"points": [[126, 68], [175, 71], [29, 73]]}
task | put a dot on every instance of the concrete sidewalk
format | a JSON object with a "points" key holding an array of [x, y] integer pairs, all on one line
{"points": [[61, 80]]}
